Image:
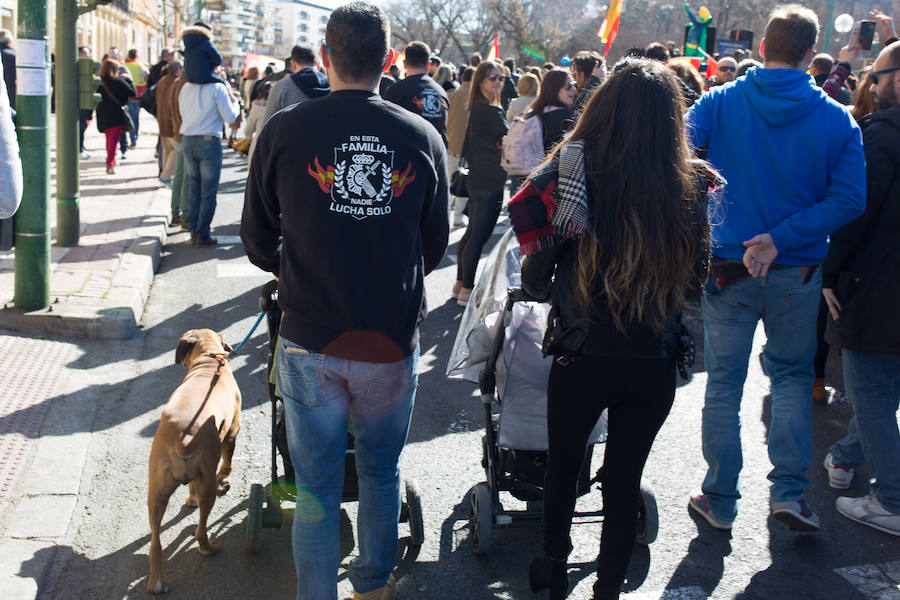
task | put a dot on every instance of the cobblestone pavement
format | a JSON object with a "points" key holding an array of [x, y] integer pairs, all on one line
{"points": [[30, 370]]}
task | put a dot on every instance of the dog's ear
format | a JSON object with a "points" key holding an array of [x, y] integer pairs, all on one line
{"points": [[185, 345], [225, 344]]}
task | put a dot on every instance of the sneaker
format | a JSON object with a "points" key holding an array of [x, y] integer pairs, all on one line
{"points": [[700, 505], [123, 157], [132, 146], [796, 514], [165, 182], [85, 155], [868, 511], [839, 477], [458, 221], [454, 291]]}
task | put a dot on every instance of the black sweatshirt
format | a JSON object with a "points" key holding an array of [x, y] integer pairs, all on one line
{"points": [[422, 95], [346, 203]]}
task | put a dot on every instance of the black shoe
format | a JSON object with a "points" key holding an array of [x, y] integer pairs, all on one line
{"points": [[549, 573]]}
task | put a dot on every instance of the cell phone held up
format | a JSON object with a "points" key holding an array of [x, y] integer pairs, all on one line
{"points": [[866, 34]]}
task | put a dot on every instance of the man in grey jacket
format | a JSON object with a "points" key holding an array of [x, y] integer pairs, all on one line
{"points": [[304, 82]]}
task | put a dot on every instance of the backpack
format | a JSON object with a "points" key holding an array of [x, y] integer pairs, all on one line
{"points": [[523, 145], [148, 100]]}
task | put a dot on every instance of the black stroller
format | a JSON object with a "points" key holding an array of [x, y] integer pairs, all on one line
{"points": [[265, 502], [498, 346], [521, 472]]}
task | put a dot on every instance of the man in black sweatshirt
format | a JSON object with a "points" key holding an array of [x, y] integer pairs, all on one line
{"points": [[346, 204], [419, 93]]}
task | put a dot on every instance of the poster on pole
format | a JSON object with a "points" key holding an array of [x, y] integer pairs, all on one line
{"points": [[31, 53], [32, 82]]}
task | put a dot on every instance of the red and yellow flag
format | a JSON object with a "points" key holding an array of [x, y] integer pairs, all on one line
{"points": [[494, 53], [610, 27]]}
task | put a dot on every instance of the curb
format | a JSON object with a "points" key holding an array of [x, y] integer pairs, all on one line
{"points": [[117, 314]]}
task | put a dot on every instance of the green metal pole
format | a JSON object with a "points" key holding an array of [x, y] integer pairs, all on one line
{"points": [[68, 223], [32, 266], [829, 23]]}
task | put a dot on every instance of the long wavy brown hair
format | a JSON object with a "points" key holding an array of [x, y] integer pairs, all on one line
{"points": [[643, 240]]}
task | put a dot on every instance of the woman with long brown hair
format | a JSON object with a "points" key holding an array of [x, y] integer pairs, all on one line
{"points": [[486, 128], [553, 106], [114, 94], [617, 254]]}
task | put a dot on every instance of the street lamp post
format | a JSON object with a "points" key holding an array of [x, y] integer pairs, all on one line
{"points": [[68, 221], [32, 257]]}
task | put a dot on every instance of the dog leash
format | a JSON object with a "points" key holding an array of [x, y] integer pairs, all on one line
{"points": [[252, 329]]}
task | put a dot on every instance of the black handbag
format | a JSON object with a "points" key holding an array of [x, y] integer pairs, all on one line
{"points": [[458, 185], [680, 342]]}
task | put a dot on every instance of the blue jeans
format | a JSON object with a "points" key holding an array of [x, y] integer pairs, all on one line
{"points": [[179, 198], [134, 109], [873, 385], [787, 306], [202, 166], [323, 395]]}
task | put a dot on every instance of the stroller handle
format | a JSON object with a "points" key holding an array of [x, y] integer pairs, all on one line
{"points": [[516, 294]]}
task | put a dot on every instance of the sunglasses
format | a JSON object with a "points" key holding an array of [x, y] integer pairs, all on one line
{"points": [[570, 85], [727, 68], [495, 77], [874, 76]]}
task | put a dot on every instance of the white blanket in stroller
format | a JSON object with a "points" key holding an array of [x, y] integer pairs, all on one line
{"points": [[522, 370]]}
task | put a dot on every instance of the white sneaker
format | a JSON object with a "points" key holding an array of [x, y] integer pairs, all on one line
{"points": [[839, 477], [85, 155], [868, 511]]}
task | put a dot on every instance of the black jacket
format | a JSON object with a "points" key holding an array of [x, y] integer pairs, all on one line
{"points": [[346, 202], [556, 123], [421, 95], [109, 111], [863, 262], [487, 126], [8, 58], [552, 273], [507, 93], [156, 73]]}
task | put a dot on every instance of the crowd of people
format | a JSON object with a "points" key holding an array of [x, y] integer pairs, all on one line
{"points": [[768, 189]]}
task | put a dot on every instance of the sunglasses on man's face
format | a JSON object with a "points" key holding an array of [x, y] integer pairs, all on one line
{"points": [[727, 68], [874, 76], [495, 77]]}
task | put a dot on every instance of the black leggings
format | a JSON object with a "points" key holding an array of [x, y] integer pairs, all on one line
{"points": [[639, 395], [484, 210]]}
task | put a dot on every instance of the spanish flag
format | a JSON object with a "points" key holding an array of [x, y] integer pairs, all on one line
{"points": [[610, 27], [494, 53]]}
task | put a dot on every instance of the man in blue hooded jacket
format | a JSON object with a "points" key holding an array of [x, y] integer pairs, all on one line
{"points": [[795, 167]]}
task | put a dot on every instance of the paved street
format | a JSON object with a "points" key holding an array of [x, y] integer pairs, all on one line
{"points": [[80, 415]]}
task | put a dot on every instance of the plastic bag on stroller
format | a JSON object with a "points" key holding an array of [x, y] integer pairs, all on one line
{"points": [[522, 371]]}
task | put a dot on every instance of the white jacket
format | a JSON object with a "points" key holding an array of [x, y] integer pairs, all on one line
{"points": [[10, 163]]}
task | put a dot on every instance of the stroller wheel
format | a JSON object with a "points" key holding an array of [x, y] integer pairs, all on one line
{"points": [[481, 518], [648, 518], [413, 514], [254, 518]]}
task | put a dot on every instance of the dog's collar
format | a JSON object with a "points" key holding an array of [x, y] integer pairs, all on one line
{"points": [[222, 357]]}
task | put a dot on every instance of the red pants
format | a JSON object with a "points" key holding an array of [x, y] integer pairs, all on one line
{"points": [[112, 140]]}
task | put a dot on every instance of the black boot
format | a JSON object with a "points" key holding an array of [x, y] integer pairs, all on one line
{"points": [[549, 573]]}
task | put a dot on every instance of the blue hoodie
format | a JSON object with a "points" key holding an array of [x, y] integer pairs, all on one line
{"points": [[793, 159]]}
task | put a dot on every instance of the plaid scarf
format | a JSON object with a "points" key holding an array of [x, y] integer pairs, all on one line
{"points": [[552, 205]]}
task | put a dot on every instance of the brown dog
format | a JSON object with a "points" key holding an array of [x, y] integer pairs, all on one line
{"points": [[198, 426]]}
